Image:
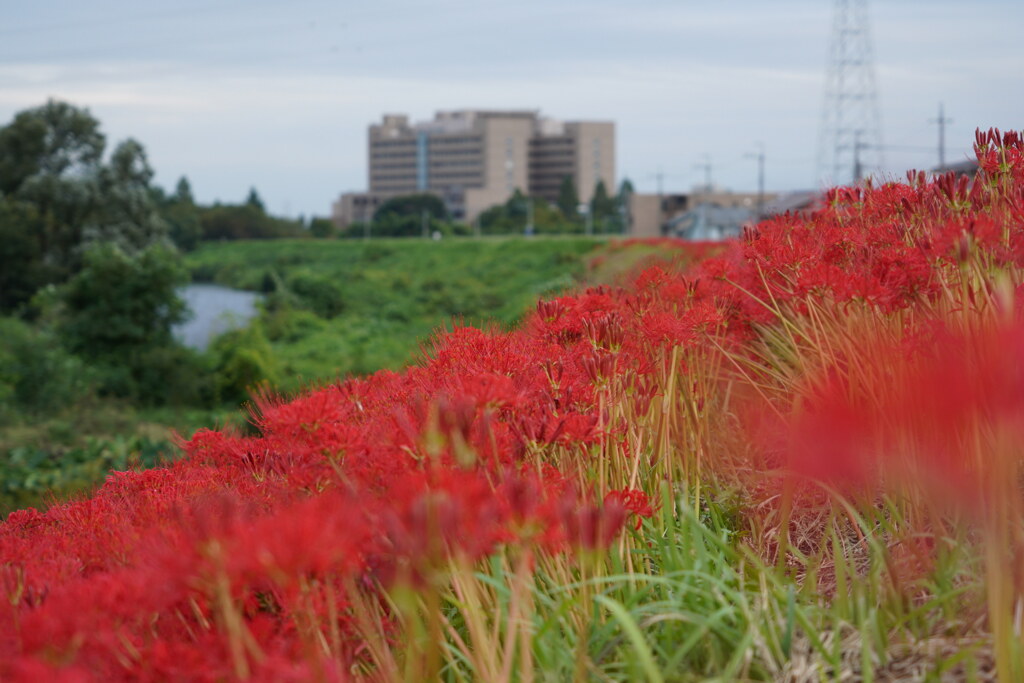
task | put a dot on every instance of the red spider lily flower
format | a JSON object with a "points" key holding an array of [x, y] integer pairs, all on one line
{"points": [[633, 501]]}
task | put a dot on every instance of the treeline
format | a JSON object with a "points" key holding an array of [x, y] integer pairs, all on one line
{"points": [[190, 223], [424, 215]]}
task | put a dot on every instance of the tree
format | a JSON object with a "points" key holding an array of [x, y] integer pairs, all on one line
{"points": [[244, 221], [602, 206], [51, 161], [510, 217], [402, 216], [183, 191], [321, 228], [118, 305], [50, 157], [623, 200], [182, 217], [127, 216], [255, 201], [21, 266], [412, 205], [55, 141], [568, 199]]}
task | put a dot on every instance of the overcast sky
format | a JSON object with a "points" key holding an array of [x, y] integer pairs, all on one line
{"points": [[278, 95]]}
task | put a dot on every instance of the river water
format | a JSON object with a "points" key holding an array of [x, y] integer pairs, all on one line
{"points": [[215, 310]]}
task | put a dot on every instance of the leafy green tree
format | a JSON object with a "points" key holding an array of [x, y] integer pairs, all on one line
{"points": [[180, 213], [626, 188], [118, 304], [36, 374], [22, 270], [50, 157], [127, 216], [244, 221], [568, 199], [623, 199], [510, 217], [403, 216], [412, 205], [255, 201], [243, 361], [183, 192], [322, 228], [602, 205]]}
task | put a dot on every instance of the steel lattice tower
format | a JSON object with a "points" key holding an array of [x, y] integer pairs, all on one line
{"points": [[850, 142]]}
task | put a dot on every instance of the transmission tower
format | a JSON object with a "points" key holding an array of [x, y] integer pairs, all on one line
{"points": [[850, 141]]}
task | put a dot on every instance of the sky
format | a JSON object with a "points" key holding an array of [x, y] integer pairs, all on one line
{"points": [[278, 95]]}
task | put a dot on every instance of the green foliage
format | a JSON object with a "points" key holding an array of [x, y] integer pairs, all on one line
{"points": [[56, 141], [602, 205], [322, 228], [50, 158], [411, 206], [513, 216], [127, 216], [317, 292], [117, 313], [411, 215], [119, 304], [386, 296], [568, 198], [22, 270], [57, 195], [243, 360], [254, 201], [170, 374], [36, 374], [30, 475], [181, 214], [244, 221]]}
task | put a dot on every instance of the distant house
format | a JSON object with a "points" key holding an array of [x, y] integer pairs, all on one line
{"points": [[800, 202], [710, 223], [654, 215], [967, 167]]}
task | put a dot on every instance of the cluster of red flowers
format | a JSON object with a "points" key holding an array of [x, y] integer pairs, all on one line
{"points": [[245, 558]]}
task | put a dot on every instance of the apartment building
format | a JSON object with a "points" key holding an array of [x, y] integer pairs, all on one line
{"points": [[475, 159]]}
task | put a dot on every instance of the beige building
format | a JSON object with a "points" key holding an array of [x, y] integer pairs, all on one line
{"points": [[475, 159]]}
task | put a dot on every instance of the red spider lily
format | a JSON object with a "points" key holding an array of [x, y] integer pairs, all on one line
{"points": [[227, 562], [633, 501]]}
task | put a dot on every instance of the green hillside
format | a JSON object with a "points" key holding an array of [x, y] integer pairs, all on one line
{"points": [[335, 308]]}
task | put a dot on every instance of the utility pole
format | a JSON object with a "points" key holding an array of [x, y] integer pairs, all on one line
{"points": [[529, 216], [941, 121], [706, 166], [759, 155], [858, 169]]}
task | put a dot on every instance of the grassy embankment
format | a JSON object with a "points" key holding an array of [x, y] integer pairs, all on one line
{"points": [[340, 308]]}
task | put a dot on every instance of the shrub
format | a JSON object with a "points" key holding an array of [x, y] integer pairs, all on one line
{"points": [[36, 374]]}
